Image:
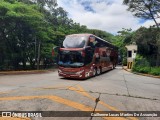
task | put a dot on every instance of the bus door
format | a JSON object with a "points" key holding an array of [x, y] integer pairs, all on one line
{"points": [[109, 63], [89, 52]]}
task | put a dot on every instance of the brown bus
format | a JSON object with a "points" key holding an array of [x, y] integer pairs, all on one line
{"points": [[85, 55]]}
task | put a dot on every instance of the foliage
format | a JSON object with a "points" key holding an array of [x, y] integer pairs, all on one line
{"points": [[155, 71], [150, 10], [147, 9], [147, 70], [19, 26], [101, 34], [27, 26], [123, 38], [146, 39], [142, 65], [124, 61]]}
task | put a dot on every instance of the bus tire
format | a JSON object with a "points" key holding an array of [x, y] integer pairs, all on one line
{"points": [[112, 66], [94, 72], [98, 71]]}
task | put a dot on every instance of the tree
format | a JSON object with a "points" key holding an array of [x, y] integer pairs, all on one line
{"points": [[29, 27], [20, 24], [123, 38], [102, 34], [146, 39], [146, 9]]}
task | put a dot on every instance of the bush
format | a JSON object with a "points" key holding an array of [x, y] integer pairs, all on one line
{"points": [[141, 65], [155, 71], [124, 61], [144, 70], [141, 61], [141, 69], [135, 68]]}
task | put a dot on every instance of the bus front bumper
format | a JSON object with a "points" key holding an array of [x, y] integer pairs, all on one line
{"points": [[76, 75]]}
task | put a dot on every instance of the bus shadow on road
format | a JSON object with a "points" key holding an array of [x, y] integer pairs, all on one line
{"points": [[108, 71], [73, 79]]}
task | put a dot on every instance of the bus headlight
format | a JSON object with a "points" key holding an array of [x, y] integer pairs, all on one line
{"points": [[80, 72]]}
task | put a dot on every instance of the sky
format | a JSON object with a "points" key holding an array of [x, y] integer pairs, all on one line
{"points": [[108, 15]]}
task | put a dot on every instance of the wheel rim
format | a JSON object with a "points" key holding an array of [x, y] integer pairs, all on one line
{"points": [[112, 66], [98, 71], [94, 72]]}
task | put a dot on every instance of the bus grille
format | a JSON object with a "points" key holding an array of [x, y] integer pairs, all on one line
{"points": [[70, 73]]}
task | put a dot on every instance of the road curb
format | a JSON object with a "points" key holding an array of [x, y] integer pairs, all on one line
{"points": [[26, 72], [147, 75]]}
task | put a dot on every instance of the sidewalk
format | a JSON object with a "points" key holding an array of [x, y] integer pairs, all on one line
{"points": [[26, 72], [125, 68]]}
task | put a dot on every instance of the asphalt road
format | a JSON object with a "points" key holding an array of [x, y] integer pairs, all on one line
{"points": [[115, 90]]}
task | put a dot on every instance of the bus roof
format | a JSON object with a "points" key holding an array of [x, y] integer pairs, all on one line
{"points": [[99, 39]]}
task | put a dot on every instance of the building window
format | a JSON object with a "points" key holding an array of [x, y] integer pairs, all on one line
{"points": [[129, 53]]}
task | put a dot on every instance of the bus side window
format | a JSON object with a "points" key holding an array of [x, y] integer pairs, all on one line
{"points": [[104, 54], [97, 60], [91, 44], [89, 55]]}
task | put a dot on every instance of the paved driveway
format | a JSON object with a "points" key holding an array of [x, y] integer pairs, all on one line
{"points": [[115, 90]]}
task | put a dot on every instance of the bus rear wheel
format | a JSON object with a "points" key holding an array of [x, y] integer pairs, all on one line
{"points": [[94, 72], [113, 66], [98, 71]]}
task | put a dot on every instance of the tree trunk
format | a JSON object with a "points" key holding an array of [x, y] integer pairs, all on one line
{"points": [[158, 56], [153, 18], [24, 64], [158, 48], [38, 58]]}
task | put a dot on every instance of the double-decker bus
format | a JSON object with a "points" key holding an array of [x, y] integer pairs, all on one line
{"points": [[85, 55]]}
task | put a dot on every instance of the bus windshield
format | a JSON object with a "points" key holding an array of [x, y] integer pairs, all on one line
{"points": [[75, 41], [71, 59]]}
